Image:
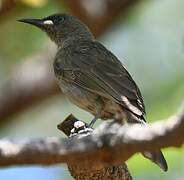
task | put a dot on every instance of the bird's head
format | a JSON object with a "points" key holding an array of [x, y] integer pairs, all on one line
{"points": [[61, 27]]}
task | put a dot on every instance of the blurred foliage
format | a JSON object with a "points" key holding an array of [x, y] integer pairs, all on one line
{"points": [[20, 40], [35, 3], [150, 44]]}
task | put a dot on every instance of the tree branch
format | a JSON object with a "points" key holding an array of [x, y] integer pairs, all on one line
{"points": [[110, 143], [31, 82], [6, 6], [99, 15], [86, 170]]}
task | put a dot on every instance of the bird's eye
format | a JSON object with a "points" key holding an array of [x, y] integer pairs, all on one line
{"points": [[48, 22], [62, 19]]}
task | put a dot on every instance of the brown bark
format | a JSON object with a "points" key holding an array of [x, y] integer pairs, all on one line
{"points": [[6, 6], [99, 15], [86, 170]]}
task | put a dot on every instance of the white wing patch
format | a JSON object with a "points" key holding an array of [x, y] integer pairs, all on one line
{"points": [[130, 106]]}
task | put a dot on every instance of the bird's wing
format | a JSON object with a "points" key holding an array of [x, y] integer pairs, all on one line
{"points": [[98, 70]]}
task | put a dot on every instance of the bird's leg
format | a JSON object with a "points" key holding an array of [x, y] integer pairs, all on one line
{"points": [[97, 116], [93, 121]]}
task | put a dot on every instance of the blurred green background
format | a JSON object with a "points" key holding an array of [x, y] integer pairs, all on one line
{"points": [[150, 42]]}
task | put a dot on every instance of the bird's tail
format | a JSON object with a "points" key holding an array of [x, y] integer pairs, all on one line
{"points": [[157, 157]]}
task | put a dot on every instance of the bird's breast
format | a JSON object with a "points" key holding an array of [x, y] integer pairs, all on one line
{"points": [[79, 96]]}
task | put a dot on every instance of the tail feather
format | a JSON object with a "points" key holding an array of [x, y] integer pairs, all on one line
{"points": [[157, 158]]}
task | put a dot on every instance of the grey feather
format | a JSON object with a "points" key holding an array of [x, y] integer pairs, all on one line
{"points": [[102, 73]]}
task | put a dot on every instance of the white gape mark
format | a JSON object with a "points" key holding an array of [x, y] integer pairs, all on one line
{"points": [[48, 22]]}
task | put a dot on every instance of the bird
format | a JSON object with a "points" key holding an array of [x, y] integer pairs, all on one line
{"points": [[92, 77]]}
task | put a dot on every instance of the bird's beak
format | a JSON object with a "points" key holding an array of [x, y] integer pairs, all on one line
{"points": [[36, 22]]}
